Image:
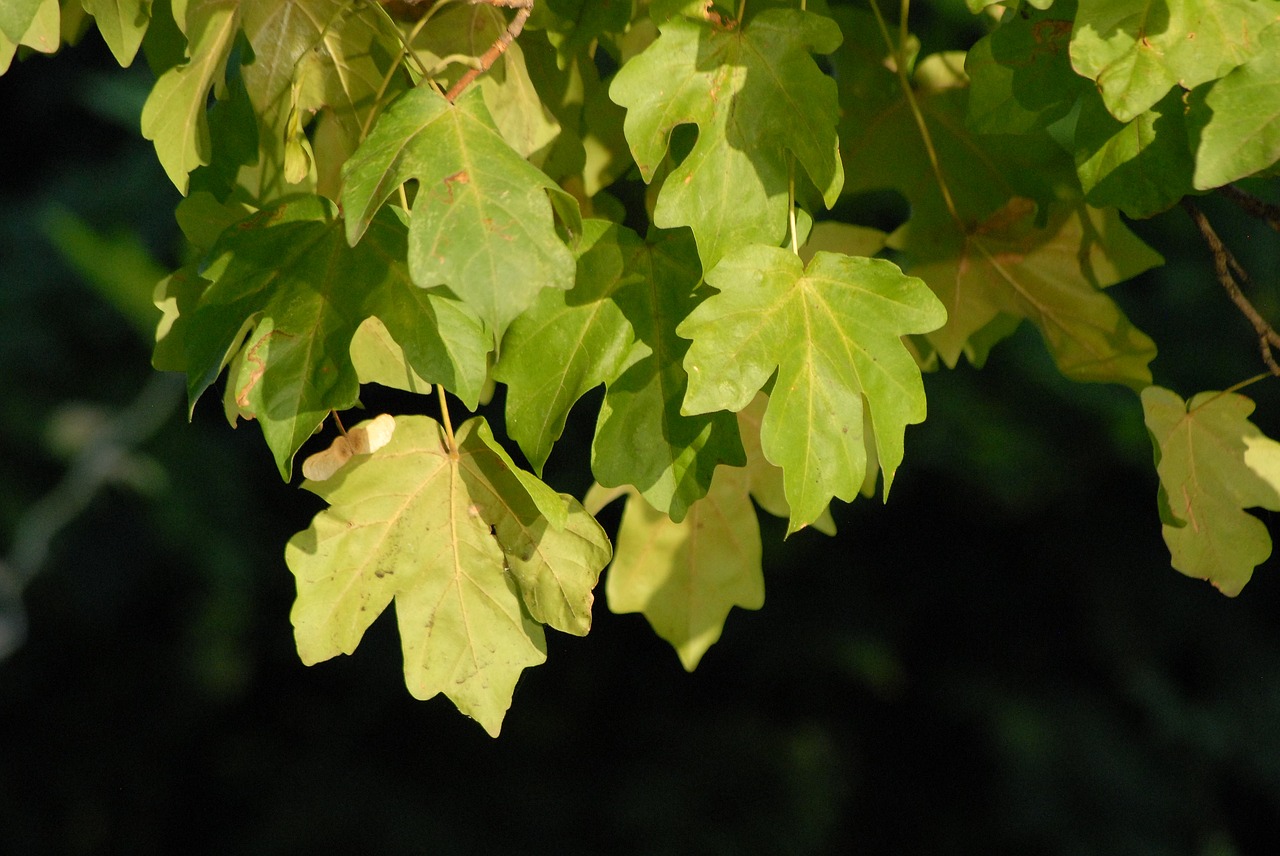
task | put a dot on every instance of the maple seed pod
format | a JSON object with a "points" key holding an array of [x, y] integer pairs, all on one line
{"points": [[364, 440]]}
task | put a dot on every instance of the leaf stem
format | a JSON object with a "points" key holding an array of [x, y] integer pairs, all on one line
{"points": [[448, 425], [1227, 269], [900, 66], [791, 204], [337, 420]]}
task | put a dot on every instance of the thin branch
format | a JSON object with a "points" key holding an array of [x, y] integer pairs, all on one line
{"points": [[498, 48], [1265, 211], [1225, 265]]}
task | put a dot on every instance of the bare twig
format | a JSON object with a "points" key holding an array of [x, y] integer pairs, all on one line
{"points": [[1263, 210], [1227, 269], [498, 48]]}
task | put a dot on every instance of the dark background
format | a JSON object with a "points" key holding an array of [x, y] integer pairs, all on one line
{"points": [[999, 661]]}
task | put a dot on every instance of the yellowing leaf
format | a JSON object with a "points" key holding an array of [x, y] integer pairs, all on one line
{"points": [[1213, 463], [362, 440], [1052, 275], [686, 576], [456, 540]]}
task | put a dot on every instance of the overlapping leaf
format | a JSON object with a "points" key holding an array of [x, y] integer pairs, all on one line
{"points": [[457, 36], [1018, 245], [459, 544], [288, 278], [831, 331], [570, 342], [174, 117], [1020, 75], [1010, 266], [1142, 167], [643, 437], [758, 99], [1236, 121], [1213, 463], [1137, 50], [686, 576], [482, 223], [313, 54]]}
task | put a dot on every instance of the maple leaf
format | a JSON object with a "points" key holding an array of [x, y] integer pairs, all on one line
{"points": [[287, 277], [457, 541], [758, 99], [481, 223], [1051, 275], [831, 331], [1213, 463]]}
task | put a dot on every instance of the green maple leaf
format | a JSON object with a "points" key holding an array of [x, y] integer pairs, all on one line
{"points": [[685, 577], [1235, 122], [1213, 463], [831, 331], [481, 223], [174, 116], [287, 277], [1136, 50], [758, 99], [457, 541]]}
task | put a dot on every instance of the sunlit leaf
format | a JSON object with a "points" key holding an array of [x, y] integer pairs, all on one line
{"points": [[481, 223], [831, 331], [455, 540], [1137, 50]]}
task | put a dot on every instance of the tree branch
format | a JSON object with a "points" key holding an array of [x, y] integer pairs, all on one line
{"points": [[1263, 210], [1227, 269], [498, 48]]}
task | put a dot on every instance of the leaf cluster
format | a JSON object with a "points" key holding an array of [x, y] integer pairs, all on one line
{"points": [[668, 199]]}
